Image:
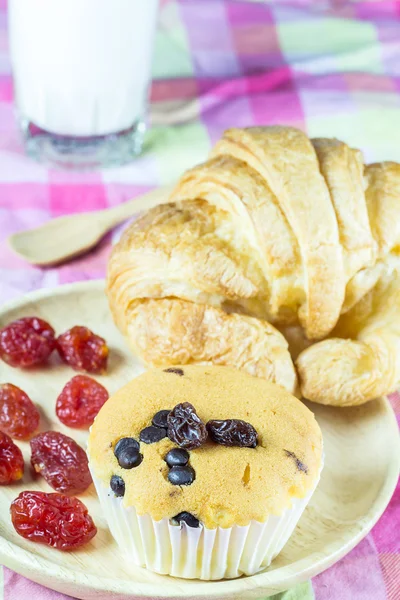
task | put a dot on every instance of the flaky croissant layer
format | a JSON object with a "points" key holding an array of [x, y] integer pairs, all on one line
{"points": [[275, 235]]}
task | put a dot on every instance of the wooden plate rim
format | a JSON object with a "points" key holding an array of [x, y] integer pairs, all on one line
{"points": [[13, 556]]}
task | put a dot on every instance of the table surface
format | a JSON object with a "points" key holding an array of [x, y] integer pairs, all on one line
{"points": [[330, 68]]}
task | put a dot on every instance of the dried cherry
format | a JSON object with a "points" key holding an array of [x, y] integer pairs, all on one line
{"points": [[185, 428], [233, 432], [52, 519], [11, 460], [80, 401], [83, 350], [19, 417], [61, 461], [27, 342]]}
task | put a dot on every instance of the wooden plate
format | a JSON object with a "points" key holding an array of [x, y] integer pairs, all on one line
{"points": [[361, 470]]}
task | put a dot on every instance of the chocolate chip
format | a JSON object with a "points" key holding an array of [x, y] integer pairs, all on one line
{"points": [[300, 465], [127, 453], [125, 443], [186, 517], [174, 370], [185, 428], [177, 457], [160, 419], [117, 485], [181, 475], [232, 432], [151, 434], [129, 458]]}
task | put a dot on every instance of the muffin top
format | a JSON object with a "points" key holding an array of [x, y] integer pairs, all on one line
{"points": [[277, 454]]}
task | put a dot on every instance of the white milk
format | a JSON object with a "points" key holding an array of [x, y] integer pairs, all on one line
{"points": [[81, 67]]}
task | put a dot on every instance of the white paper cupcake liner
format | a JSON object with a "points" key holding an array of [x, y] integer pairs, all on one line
{"points": [[198, 553]]}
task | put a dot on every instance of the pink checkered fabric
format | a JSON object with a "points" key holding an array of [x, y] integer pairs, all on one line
{"points": [[330, 68]]}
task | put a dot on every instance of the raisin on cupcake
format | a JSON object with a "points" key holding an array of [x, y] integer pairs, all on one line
{"points": [[211, 458]]}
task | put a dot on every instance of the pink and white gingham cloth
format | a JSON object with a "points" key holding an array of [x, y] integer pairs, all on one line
{"points": [[330, 68]]}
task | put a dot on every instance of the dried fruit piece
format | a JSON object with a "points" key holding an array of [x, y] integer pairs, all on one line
{"points": [[185, 517], [185, 428], [151, 434], [299, 464], [19, 417], [117, 484], [27, 342], [11, 460], [52, 519], [232, 432], [80, 401], [62, 463], [181, 475], [127, 453], [177, 457], [174, 370], [83, 350]]}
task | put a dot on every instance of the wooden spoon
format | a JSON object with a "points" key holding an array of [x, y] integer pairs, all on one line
{"points": [[61, 239]]}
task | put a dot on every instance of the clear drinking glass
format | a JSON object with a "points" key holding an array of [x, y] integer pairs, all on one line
{"points": [[81, 76]]}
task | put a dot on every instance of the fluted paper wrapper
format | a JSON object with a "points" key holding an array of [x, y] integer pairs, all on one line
{"points": [[197, 553]]}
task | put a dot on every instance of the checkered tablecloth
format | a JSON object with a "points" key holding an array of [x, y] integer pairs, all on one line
{"points": [[330, 68]]}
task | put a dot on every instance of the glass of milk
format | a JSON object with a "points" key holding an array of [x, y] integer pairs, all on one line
{"points": [[81, 76]]}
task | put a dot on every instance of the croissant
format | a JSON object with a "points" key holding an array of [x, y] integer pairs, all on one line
{"points": [[363, 361], [274, 243]]}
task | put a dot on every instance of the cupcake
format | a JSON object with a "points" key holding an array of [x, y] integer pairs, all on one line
{"points": [[202, 471]]}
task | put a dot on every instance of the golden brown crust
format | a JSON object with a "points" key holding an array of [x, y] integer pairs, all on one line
{"points": [[185, 262], [382, 197], [286, 159], [343, 170], [364, 362], [186, 332], [233, 186], [233, 485], [382, 200], [189, 251], [276, 227]]}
